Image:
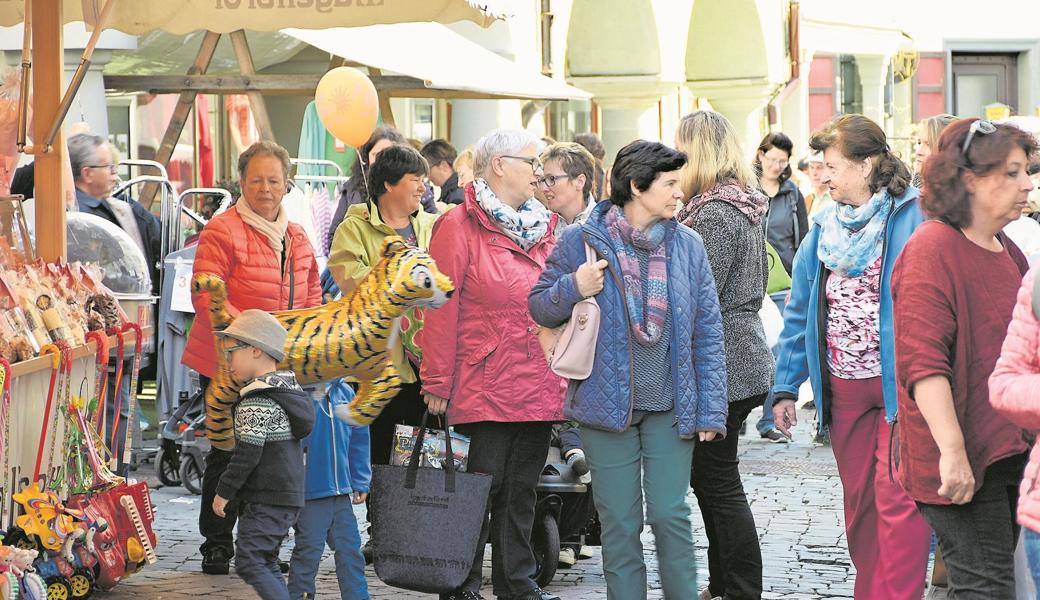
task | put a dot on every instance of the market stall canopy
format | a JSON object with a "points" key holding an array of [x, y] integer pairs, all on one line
{"points": [[431, 52], [223, 16]]}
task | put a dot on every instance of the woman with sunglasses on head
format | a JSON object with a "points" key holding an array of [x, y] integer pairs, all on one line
{"points": [[482, 362], [955, 288], [838, 333]]}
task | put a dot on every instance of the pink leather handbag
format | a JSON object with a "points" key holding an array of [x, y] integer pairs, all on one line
{"points": [[571, 348]]}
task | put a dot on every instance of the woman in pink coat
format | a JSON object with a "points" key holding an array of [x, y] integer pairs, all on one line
{"points": [[481, 358], [1014, 389]]}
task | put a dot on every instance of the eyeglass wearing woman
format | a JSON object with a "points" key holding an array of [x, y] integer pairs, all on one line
{"points": [[955, 288], [639, 430], [787, 220], [481, 359], [838, 333]]}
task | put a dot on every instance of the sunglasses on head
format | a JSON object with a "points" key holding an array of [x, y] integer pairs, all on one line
{"points": [[980, 126]]}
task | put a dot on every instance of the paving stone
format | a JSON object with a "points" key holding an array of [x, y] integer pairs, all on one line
{"points": [[793, 489]]}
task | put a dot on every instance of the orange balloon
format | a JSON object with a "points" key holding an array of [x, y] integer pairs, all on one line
{"points": [[347, 105]]}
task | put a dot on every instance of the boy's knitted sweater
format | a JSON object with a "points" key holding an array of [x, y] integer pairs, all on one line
{"points": [[272, 415]]}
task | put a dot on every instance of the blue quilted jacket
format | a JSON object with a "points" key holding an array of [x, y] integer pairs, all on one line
{"points": [[604, 400]]}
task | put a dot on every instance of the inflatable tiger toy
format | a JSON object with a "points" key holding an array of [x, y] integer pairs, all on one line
{"points": [[350, 338]]}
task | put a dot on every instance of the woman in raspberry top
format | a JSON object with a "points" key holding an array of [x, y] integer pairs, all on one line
{"points": [[955, 286]]}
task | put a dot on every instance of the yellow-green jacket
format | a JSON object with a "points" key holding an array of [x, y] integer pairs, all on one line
{"points": [[355, 250]]}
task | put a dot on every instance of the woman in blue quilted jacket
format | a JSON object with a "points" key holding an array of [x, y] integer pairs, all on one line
{"points": [[658, 380]]}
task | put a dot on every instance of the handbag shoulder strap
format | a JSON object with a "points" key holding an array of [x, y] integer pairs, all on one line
{"points": [[449, 457], [590, 254]]}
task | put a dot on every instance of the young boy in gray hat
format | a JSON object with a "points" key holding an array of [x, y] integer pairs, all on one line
{"points": [[265, 475]]}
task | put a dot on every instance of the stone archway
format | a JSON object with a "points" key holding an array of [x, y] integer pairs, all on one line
{"points": [[736, 57]]}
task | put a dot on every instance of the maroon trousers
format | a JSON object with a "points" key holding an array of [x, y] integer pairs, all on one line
{"points": [[888, 538]]}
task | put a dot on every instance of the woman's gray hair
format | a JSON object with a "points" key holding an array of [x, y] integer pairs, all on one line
{"points": [[83, 152], [500, 142]]}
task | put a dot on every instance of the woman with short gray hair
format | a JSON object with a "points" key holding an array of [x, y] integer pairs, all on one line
{"points": [[499, 390]]}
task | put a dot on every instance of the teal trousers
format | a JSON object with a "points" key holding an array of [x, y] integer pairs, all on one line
{"points": [[646, 461]]}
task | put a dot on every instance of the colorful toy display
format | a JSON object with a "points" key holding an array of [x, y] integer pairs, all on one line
{"points": [[103, 532], [348, 338]]}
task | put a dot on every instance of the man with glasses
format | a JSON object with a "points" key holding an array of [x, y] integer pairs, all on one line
{"points": [[94, 173], [566, 183]]}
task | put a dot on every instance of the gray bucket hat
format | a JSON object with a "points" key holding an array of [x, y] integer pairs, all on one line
{"points": [[260, 330]]}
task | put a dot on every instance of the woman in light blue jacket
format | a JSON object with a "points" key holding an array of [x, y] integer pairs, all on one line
{"points": [[838, 333], [659, 376]]}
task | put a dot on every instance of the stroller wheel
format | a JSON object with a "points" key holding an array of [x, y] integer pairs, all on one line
{"points": [[545, 542], [167, 466], [191, 474]]}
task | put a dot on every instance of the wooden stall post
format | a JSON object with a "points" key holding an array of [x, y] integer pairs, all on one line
{"points": [[48, 66], [256, 99], [181, 112]]}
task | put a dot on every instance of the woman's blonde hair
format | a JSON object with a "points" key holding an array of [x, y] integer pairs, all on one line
{"points": [[929, 130], [714, 153]]}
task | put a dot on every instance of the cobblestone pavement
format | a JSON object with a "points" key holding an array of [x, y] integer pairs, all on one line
{"points": [[794, 491]]}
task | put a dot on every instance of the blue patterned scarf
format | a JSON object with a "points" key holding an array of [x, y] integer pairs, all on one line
{"points": [[647, 298], [525, 225], [852, 237]]}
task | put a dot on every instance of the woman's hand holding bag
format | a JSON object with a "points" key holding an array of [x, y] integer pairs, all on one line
{"points": [[571, 348]]}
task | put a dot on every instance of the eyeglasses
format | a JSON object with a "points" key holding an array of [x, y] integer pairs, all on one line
{"points": [[535, 164], [111, 168], [230, 349], [979, 126], [551, 180]]}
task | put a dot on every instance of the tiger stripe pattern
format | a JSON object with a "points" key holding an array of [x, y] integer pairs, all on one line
{"points": [[349, 338]]}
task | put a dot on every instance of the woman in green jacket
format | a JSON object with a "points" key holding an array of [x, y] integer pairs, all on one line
{"points": [[395, 188]]}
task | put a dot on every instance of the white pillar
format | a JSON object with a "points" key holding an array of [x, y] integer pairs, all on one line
{"points": [[625, 120], [89, 105], [743, 103], [873, 76], [471, 119], [629, 108]]}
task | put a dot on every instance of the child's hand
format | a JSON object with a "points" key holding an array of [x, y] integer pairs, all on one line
{"points": [[219, 504], [359, 497]]}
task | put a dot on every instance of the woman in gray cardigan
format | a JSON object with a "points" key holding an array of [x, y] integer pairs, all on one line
{"points": [[727, 210]]}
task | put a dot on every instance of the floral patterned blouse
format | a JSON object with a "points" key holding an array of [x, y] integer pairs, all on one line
{"points": [[853, 327]]}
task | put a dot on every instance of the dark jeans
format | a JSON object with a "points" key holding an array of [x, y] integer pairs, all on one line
{"points": [[734, 556], [406, 408], [514, 455], [978, 538], [218, 531], [570, 438], [261, 529]]}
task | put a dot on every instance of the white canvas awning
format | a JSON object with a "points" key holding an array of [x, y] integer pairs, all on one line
{"points": [[441, 58], [223, 16]]}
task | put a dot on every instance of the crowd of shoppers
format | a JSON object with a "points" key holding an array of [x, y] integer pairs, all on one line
{"points": [[902, 287]]}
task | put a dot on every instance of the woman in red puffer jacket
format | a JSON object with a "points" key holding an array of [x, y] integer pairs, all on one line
{"points": [[268, 264]]}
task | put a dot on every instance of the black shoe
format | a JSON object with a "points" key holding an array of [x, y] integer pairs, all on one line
{"points": [[366, 551], [576, 461], [774, 436], [537, 594], [467, 595], [283, 566], [216, 562]]}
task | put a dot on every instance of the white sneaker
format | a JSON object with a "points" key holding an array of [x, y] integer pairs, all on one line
{"points": [[567, 558], [585, 552]]}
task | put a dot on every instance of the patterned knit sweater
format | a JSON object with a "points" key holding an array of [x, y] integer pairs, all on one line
{"points": [[271, 416]]}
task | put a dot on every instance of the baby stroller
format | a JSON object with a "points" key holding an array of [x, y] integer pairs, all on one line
{"points": [[184, 445], [564, 508]]}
